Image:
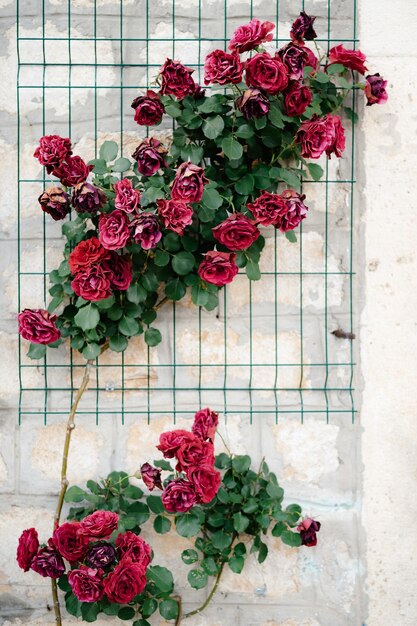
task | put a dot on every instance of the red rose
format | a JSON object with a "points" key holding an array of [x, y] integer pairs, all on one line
{"points": [[99, 525], [87, 584], [86, 254], [52, 151], [295, 58], [113, 230], [146, 230], [69, 543], [92, 283], [218, 268], [312, 59], [38, 326], [151, 476], [119, 271], [302, 28], [127, 198], [295, 211], [175, 214], [73, 171], [176, 79], [170, 441], [179, 496], [27, 548], [237, 232], [249, 36], [252, 104], [135, 548], [308, 529], [87, 199], [125, 582], [267, 208], [297, 98], [188, 184], [205, 424], [55, 202], [375, 90], [48, 563], [148, 109], [352, 59], [222, 68], [150, 156], [194, 452], [321, 134], [206, 481], [267, 73]]}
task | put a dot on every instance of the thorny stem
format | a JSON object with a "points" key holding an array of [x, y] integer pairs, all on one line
{"points": [[209, 597], [179, 616]]}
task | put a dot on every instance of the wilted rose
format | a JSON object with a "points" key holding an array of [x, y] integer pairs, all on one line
{"points": [[87, 199], [73, 171], [295, 59], [237, 232], [252, 104], [69, 543], [295, 211], [27, 548], [148, 109], [266, 73], [127, 198], [151, 476], [267, 208], [297, 98], [150, 156], [48, 563], [119, 271], [352, 59], [86, 583], [114, 230], [222, 68], [218, 268], [86, 254], [146, 230], [101, 555], [308, 529], [175, 214], [179, 496], [38, 326], [249, 36], [92, 283], [125, 582], [52, 151], [321, 134], [205, 424], [302, 28], [99, 525], [206, 481], [176, 79], [55, 202], [188, 184], [375, 90]]}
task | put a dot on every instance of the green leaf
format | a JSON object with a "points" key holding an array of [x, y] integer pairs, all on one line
{"points": [[278, 529], [150, 281], [106, 303], [169, 608], [141, 622], [163, 465], [109, 150], [63, 583], [129, 326], [275, 491], [211, 104], [197, 578], [155, 504], [199, 295], [173, 109], [244, 131], [149, 607], [275, 115], [136, 293], [153, 337], [162, 578], [175, 289], [291, 539], [232, 148], [335, 68], [183, 263], [121, 165], [91, 351], [291, 236], [75, 494], [118, 343], [241, 463], [213, 126], [221, 540], [151, 195], [210, 566], [73, 605], [240, 522], [211, 198], [252, 270], [315, 170], [189, 556], [321, 77], [187, 525], [351, 115], [240, 549], [161, 258], [288, 177], [87, 317], [161, 524], [245, 185], [100, 166], [263, 552], [126, 612], [36, 351], [236, 564]]}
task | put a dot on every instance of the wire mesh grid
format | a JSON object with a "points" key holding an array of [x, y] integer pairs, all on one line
{"points": [[268, 350]]}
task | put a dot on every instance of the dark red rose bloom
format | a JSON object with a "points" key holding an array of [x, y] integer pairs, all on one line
{"points": [[86, 254], [375, 90], [73, 171], [114, 230], [125, 582], [252, 104], [206, 481], [237, 232], [146, 230], [52, 151], [69, 543], [87, 199], [175, 214], [308, 529], [101, 556], [199, 92], [195, 452], [218, 268], [176, 79], [48, 563], [188, 184], [92, 283], [38, 326], [179, 496], [297, 98], [150, 156], [135, 548], [148, 109], [27, 548], [302, 28], [151, 476], [222, 68], [119, 271], [127, 198], [55, 202], [295, 58], [321, 134], [99, 525], [249, 36], [295, 211], [267, 208], [352, 59], [266, 73], [86, 583], [170, 441], [205, 424]]}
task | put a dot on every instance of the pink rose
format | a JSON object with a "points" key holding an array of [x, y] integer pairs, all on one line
{"points": [[99, 525], [179, 496], [222, 68], [38, 326], [352, 59], [321, 134], [86, 583], [151, 476], [150, 156], [249, 36], [131, 545], [69, 543], [295, 211], [48, 563], [73, 171], [149, 109], [267, 208], [119, 271], [295, 58], [127, 198], [125, 582], [52, 151], [302, 28], [218, 268], [86, 254], [170, 441], [237, 232], [194, 452], [113, 230], [176, 80], [188, 184], [92, 283], [206, 481], [308, 529], [175, 214], [266, 73], [297, 98], [27, 548], [146, 230], [375, 90], [205, 424]]}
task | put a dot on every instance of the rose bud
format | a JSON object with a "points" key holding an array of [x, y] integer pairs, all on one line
{"points": [[73, 171], [218, 268], [38, 326], [249, 36], [205, 424], [86, 254], [170, 441], [87, 584], [295, 211], [295, 59], [151, 476], [69, 543], [175, 214], [92, 283], [101, 556], [375, 90], [146, 230], [55, 202], [195, 452], [99, 525], [150, 156], [206, 481], [127, 198], [252, 104], [135, 548], [297, 98], [148, 109], [179, 496], [87, 199], [126, 581], [52, 151], [27, 548], [352, 59], [113, 230], [222, 68], [266, 73], [188, 184], [119, 271], [176, 79], [308, 529], [237, 232], [302, 28], [321, 134], [48, 563]]}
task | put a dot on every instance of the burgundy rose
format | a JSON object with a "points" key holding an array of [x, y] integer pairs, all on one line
{"points": [[188, 184], [125, 582], [151, 476], [252, 104], [146, 230], [87, 199], [175, 214], [297, 98], [267, 73], [170, 441], [176, 79], [206, 481], [55, 202], [375, 90], [179, 496], [86, 254], [352, 59], [119, 271], [222, 68], [127, 198], [99, 525], [295, 59], [218, 268], [150, 156], [295, 211], [101, 556], [69, 543], [48, 563], [302, 28], [195, 452], [92, 283], [249, 36], [237, 232], [205, 424], [52, 151], [267, 208], [135, 548], [148, 109], [321, 134], [27, 548], [73, 171], [312, 60], [86, 583], [308, 529], [113, 230], [38, 326]]}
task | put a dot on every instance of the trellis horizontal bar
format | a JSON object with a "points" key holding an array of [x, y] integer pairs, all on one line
{"points": [[152, 39]]}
